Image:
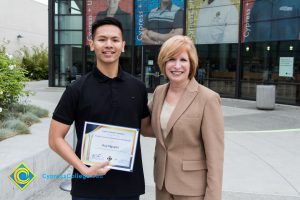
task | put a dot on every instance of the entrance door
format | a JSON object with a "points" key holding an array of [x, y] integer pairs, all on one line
{"points": [[151, 73]]}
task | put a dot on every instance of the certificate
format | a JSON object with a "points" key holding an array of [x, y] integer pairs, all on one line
{"points": [[103, 142]]}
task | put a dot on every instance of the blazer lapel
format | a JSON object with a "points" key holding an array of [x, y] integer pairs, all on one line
{"points": [[160, 97], [184, 102]]}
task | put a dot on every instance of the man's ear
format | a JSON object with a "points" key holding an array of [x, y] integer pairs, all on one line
{"points": [[123, 48], [91, 44]]}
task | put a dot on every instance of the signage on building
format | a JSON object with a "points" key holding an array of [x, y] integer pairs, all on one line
{"points": [[286, 66]]}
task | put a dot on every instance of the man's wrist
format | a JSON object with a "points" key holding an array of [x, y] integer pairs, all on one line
{"points": [[83, 169]]}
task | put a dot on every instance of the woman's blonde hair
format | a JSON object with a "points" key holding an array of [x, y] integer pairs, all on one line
{"points": [[175, 46]]}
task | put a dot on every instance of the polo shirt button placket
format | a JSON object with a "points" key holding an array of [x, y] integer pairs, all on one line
{"points": [[114, 94]]}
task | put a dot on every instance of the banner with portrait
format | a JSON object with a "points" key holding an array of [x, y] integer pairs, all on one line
{"points": [[270, 20], [157, 20], [120, 9], [213, 21]]}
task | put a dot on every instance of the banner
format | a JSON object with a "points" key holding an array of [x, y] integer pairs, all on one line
{"points": [[213, 21], [154, 23], [270, 20], [120, 9]]}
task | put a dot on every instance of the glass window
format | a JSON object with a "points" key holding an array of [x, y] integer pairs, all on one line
{"points": [[275, 63], [68, 64], [68, 37], [65, 7], [146, 67], [68, 22], [217, 67], [56, 7]]}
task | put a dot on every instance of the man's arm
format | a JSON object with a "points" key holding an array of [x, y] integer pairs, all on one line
{"points": [[163, 37], [57, 143], [146, 39]]}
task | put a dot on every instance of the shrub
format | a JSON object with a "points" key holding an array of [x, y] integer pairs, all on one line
{"points": [[37, 111], [17, 126], [12, 79], [18, 108], [19, 118], [12, 90], [35, 63], [40, 112], [6, 133], [29, 118]]}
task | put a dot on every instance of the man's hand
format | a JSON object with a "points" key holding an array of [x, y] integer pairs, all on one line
{"points": [[144, 35], [146, 39], [153, 35]]}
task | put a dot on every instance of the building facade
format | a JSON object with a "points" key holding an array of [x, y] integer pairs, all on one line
{"points": [[24, 25], [240, 43]]}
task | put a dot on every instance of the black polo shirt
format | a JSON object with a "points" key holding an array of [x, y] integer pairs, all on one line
{"points": [[121, 101]]}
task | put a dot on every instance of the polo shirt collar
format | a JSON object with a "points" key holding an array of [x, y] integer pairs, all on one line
{"points": [[103, 78], [168, 8]]}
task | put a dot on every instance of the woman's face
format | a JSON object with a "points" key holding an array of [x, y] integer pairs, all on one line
{"points": [[178, 68]]}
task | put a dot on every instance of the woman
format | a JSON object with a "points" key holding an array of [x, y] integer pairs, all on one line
{"points": [[188, 124]]}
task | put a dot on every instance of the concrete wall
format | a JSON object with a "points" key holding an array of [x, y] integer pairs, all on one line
{"points": [[33, 150], [27, 18]]}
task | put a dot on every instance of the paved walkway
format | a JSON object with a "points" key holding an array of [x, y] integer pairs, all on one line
{"points": [[262, 159]]}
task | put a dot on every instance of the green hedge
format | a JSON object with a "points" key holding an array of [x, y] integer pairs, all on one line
{"points": [[12, 81], [15, 118], [35, 62]]}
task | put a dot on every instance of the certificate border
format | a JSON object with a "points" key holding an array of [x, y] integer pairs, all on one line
{"points": [[116, 167]]}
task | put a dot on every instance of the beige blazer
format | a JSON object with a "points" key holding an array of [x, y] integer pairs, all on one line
{"points": [[189, 161]]}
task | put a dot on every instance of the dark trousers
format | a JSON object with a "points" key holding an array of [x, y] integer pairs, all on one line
{"points": [[107, 198]]}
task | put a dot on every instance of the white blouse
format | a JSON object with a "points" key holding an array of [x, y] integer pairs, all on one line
{"points": [[165, 115]]}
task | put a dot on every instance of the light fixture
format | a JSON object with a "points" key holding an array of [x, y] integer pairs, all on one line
{"points": [[247, 48], [19, 36], [268, 48], [291, 48]]}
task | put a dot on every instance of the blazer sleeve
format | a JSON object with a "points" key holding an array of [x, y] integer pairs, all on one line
{"points": [[212, 129], [151, 101], [150, 107]]}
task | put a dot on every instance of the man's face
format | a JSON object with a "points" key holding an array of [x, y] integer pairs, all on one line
{"points": [[113, 3], [107, 44]]}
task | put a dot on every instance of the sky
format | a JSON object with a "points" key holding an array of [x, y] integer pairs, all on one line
{"points": [[42, 1]]}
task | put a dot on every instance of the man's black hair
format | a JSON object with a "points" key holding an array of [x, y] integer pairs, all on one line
{"points": [[106, 21]]}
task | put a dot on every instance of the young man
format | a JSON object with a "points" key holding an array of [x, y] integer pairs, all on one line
{"points": [[113, 10], [105, 95]]}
